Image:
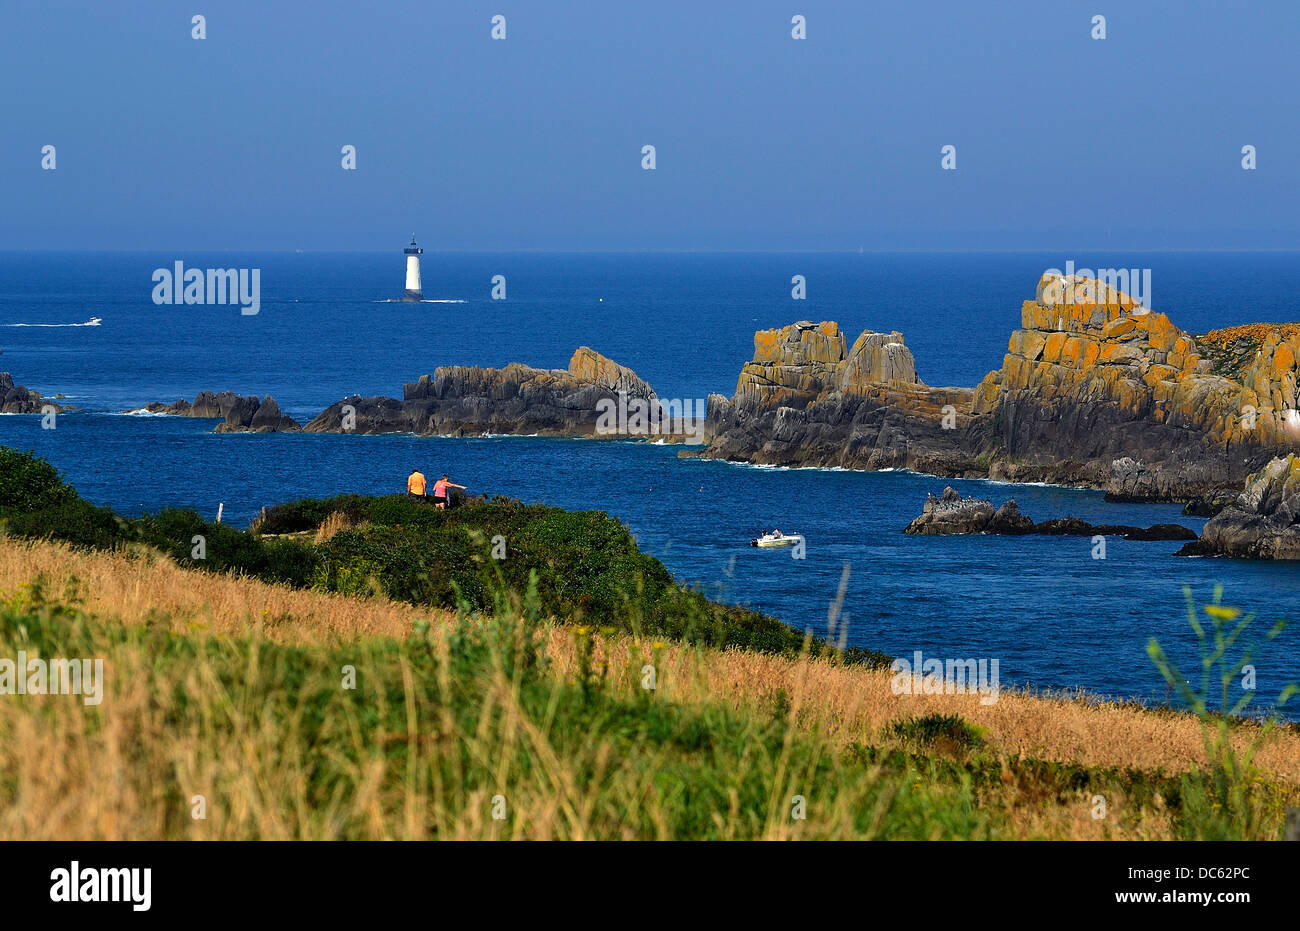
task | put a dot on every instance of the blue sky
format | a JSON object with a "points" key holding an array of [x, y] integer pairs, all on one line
{"points": [[763, 142]]}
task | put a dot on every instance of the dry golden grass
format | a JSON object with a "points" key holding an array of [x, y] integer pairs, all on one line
{"points": [[850, 704], [845, 704], [107, 783], [332, 524], [142, 586]]}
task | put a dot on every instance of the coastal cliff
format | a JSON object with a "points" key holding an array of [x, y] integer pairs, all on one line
{"points": [[1094, 390], [519, 399], [807, 398]]}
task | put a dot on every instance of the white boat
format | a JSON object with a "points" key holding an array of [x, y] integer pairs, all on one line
{"points": [[777, 538], [94, 321]]}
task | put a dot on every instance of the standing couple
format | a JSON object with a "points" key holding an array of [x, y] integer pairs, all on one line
{"points": [[416, 485]]}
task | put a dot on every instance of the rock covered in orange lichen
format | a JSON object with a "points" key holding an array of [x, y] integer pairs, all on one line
{"points": [[1094, 389], [1108, 349], [589, 366], [804, 362]]}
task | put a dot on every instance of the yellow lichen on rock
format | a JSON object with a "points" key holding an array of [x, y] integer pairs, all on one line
{"points": [[1085, 341]]}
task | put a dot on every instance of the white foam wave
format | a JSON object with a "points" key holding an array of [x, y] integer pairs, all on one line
{"points": [[56, 325]]}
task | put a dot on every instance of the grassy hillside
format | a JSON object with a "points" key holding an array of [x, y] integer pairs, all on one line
{"points": [[587, 565], [235, 690], [293, 711]]}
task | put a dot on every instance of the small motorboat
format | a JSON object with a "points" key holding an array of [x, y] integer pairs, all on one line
{"points": [[94, 321], [776, 538]]}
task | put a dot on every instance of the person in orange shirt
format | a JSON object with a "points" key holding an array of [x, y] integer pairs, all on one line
{"points": [[415, 485], [441, 494]]}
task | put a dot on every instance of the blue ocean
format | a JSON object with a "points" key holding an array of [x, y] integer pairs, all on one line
{"points": [[328, 327]]}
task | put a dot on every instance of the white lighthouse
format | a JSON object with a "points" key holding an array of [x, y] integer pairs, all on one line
{"points": [[413, 253]]}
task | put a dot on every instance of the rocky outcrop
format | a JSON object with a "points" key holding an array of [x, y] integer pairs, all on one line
{"points": [[950, 513], [1210, 503], [807, 398], [249, 415], [1094, 390], [16, 399], [1097, 390], [239, 413], [461, 401], [1263, 522], [953, 513]]}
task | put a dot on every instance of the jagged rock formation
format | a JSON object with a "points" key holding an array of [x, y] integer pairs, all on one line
{"points": [[953, 513], [1097, 390], [16, 399], [809, 399], [1094, 390], [1264, 521], [241, 414], [249, 415], [461, 400]]}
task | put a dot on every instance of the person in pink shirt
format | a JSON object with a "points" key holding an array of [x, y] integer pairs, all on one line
{"points": [[441, 494]]}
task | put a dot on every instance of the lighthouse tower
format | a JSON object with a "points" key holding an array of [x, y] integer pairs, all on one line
{"points": [[413, 253]]}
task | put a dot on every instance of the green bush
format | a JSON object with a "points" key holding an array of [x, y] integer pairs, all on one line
{"points": [[30, 484], [945, 731], [75, 521]]}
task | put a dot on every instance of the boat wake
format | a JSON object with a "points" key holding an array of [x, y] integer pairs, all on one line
{"points": [[93, 321], [427, 300]]}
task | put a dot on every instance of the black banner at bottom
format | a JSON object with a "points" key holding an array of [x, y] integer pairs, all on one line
{"points": [[334, 881]]}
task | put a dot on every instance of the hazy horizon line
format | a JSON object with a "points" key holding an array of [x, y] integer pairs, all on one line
{"points": [[429, 252]]}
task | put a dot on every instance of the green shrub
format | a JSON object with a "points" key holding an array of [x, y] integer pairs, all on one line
{"points": [[28, 483], [74, 521], [944, 731]]}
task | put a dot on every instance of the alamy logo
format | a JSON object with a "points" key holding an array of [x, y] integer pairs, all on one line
{"points": [[952, 677], [75, 884], [651, 417], [1087, 287], [181, 285], [36, 676]]}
